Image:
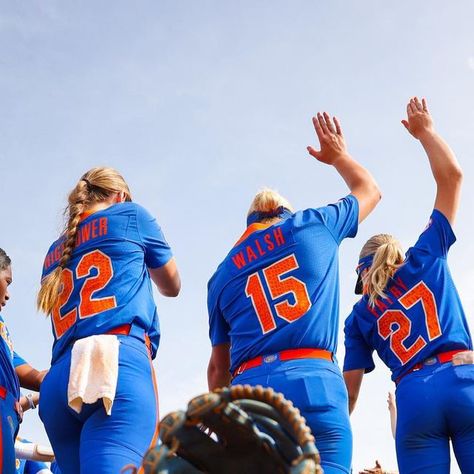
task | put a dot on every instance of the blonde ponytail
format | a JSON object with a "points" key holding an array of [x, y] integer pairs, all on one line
{"points": [[388, 257], [267, 201], [97, 185]]}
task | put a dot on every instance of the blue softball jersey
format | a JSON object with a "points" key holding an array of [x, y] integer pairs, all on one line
{"points": [[422, 314], [9, 359], [278, 288], [106, 283]]}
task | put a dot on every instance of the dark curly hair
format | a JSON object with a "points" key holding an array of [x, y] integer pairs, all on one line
{"points": [[5, 260]]}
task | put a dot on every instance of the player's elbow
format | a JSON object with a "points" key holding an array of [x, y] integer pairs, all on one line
{"points": [[369, 195], [171, 291], [216, 376], [457, 175], [374, 193], [451, 177]]}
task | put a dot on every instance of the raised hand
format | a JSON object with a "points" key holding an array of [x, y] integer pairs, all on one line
{"points": [[331, 139], [419, 118], [375, 470]]}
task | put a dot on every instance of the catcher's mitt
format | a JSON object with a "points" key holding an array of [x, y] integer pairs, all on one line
{"points": [[255, 430]]}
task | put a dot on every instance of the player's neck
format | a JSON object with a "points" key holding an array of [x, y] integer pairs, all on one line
{"points": [[98, 206]]}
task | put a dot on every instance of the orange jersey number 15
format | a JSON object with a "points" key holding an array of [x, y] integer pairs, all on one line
{"points": [[278, 285]]}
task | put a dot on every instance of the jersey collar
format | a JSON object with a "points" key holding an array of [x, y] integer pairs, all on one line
{"points": [[254, 228]]}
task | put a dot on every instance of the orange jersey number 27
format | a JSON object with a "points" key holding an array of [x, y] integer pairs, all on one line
{"points": [[278, 286], [396, 325]]}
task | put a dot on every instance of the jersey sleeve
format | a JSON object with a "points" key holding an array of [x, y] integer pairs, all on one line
{"points": [[18, 360], [358, 352], [157, 250], [437, 237], [341, 218], [219, 329]]}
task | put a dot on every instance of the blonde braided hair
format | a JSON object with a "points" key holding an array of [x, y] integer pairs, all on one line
{"points": [[97, 185], [388, 258]]}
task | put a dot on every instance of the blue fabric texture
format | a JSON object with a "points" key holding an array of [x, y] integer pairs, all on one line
{"points": [[316, 388], [93, 442]]}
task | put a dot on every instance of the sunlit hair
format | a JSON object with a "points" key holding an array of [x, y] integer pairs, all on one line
{"points": [[5, 260], [388, 258], [268, 200], [97, 185]]}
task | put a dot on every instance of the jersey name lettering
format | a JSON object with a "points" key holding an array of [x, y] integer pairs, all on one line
{"points": [[89, 231], [259, 247]]}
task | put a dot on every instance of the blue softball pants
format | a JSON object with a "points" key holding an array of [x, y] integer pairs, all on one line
{"points": [[93, 442], [435, 404], [9, 423], [317, 389]]}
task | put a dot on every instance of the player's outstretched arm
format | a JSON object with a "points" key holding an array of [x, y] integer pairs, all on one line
{"points": [[334, 152], [166, 278], [218, 374], [353, 380], [446, 170]]}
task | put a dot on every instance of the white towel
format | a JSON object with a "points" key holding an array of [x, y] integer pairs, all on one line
{"points": [[94, 371]]}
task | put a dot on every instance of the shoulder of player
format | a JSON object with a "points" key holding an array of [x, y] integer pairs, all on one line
{"points": [[125, 208], [361, 312]]}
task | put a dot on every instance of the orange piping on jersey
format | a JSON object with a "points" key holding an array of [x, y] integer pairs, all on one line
{"points": [[155, 389], [1, 448], [86, 214], [253, 228], [3, 395]]}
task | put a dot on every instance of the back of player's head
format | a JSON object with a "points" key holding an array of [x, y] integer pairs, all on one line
{"points": [[268, 201], [95, 186], [5, 260], [388, 256], [98, 185]]}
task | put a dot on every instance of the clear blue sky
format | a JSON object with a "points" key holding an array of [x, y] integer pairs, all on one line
{"points": [[201, 103]]}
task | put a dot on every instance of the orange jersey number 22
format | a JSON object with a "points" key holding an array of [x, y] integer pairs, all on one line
{"points": [[88, 305]]}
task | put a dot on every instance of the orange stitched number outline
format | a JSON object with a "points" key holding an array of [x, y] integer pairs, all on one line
{"points": [[88, 306], [61, 322], [277, 287], [419, 293]]}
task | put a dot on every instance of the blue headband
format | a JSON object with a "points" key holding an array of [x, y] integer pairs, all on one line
{"points": [[256, 216], [365, 262]]}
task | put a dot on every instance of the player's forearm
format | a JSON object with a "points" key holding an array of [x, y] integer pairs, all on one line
{"points": [[353, 381], [29, 377], [360, 183], [217, 378], [444, 165]]}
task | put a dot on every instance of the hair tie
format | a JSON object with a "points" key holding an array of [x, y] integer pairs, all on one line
{"points": [[256, 216], [364, 263]]}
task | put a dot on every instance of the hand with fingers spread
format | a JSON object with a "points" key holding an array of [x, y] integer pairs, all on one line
{"points": [[334, 152], [331, 139], [419, 118]]}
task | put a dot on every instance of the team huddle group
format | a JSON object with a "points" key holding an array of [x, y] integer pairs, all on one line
{"points": [[273, 319]]}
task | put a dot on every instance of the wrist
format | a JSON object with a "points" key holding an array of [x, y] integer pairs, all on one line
{"points": [[31, 401], [341, 158], [426, 134]]}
